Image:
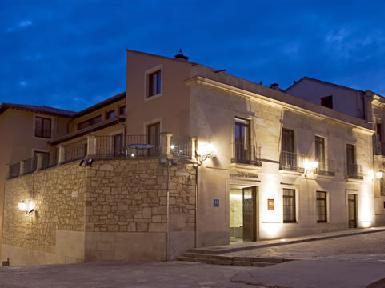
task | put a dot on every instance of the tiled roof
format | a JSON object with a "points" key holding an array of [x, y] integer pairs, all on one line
{"points": [[101, 104], [61, 112], [39, 109], [325, 83]]}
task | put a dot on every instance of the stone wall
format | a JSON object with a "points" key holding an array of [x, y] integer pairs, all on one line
{"points": [[59, 195], [113, 210], [127, 202]]}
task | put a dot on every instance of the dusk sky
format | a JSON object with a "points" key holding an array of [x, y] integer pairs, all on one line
{"points": [[71, 53]]}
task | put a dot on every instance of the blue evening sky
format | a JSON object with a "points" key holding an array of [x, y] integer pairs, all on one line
{"points": [[71, 53]]}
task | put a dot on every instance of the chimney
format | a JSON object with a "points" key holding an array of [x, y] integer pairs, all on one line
{"points": [[274, 86], [180, 56]]}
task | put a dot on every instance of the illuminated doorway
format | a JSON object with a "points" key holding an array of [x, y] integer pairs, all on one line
{"points": [[243, 214]]}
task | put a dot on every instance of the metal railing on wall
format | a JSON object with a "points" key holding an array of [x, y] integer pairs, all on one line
{"points": [[107, 147], [288, 161], [354, 171], [75, 151]]}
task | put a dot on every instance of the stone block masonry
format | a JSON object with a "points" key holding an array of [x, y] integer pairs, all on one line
{"points": [[134, 209]]}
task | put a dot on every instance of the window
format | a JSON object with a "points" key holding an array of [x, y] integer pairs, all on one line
{"points": [[288, 200], [242, 140], [154, 83], [351, 166], [321, 207], [288, 159], [320, 156], [42, 127], [110, 114], [89, 122], [122, 110], [153, 138], [379, 131], [327, 101]]}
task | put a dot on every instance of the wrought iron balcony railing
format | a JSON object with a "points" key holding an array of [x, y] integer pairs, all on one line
{"points": [[354, 171], [288, 161]]}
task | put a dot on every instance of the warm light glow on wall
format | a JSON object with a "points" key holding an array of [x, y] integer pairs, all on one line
{"points": [[365, 206], [379, 174], [309, 166], [27, 206], [270, 220], [205, 151]]}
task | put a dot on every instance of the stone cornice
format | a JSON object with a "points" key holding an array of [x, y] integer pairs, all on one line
{"points": [[350, 121]]}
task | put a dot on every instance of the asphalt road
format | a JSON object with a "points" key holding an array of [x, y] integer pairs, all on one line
{"points": [[355, 261]]}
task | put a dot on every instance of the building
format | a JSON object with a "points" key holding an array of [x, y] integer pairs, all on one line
{"points": [[366, 105], [204, 158], [26, 130]]}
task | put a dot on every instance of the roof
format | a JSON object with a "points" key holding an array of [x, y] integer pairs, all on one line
{"points": [[101, 104], [88, 130], [325, 83], [61, 112], [40, 109], [244, 87], [178, 60]]}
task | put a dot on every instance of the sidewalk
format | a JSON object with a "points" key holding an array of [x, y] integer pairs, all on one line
{"points": [[272, 252], [242, 246]]}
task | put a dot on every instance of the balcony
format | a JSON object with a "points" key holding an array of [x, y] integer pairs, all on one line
{"points": [[30, 165], [288, 161], [326, 169], [107, 147], [354, 171], [248, 157]]}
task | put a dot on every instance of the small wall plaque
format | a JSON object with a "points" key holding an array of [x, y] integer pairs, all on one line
{"points": [[270, 204], [216, 203]]}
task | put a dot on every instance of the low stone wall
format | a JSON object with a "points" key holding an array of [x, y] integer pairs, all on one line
{"points": [[113, 210]]}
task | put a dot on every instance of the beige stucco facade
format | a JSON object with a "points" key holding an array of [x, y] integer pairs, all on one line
{"points": [[18, 141], [156, 207]]}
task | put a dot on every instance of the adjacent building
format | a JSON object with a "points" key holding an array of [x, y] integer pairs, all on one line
{"points": [[366, 105], [188, 157]]}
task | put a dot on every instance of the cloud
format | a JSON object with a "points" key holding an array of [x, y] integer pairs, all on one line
{"points": [[21, 25]]}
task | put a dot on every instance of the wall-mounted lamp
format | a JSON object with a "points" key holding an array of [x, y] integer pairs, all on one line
{"points": [[309, 167], [205, 151], [28, 206], [379, 174]]}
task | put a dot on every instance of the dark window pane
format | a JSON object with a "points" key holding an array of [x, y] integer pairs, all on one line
{"points": [[289, 210], [154, 83], [327, 101], [242, 140], [321, 207], [320, 156], [122, 110], [42, 127]]}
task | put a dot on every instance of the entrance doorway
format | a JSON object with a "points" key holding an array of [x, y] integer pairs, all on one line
{"points": [[243, 214], [352, 208]]}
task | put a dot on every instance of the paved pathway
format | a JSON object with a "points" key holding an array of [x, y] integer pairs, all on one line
{"points": [[351, 262]]}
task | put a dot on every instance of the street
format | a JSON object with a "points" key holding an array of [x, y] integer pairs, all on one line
{"points": [[354, 261]]}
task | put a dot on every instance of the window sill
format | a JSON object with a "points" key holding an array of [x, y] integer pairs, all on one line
{"points": [[148, 98], [250, 163]]}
